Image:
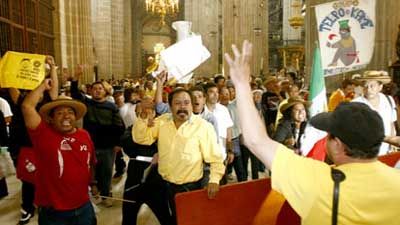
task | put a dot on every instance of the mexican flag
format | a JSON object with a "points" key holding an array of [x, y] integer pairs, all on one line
{"points": [[313, 140]]}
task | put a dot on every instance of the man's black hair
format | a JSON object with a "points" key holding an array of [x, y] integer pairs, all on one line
{"points": [[197, 88], [177, 91], [208, 86], [347, 82], [128, 93], [218, 78]]}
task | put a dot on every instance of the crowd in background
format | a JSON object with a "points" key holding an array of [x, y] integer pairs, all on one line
{"points": [[114, 108]]}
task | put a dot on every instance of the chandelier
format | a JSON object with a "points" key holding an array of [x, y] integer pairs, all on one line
{"points": [[297, 19], [162, 8]]}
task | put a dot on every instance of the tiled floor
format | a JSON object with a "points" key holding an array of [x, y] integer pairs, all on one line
{"points": [[10, 206]]}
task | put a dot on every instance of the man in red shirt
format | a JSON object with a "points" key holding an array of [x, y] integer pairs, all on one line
{"points": [[65, 159]]}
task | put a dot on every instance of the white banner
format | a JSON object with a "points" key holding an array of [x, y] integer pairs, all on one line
{"points": [[346, 31]]}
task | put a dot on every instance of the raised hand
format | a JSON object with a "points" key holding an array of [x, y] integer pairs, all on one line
{"points": [[78, 72], [161, 78], [66, 76], [50, 60], [239, 66]]}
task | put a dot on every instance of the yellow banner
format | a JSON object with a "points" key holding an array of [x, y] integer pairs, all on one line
{"points": [[22, 70]]}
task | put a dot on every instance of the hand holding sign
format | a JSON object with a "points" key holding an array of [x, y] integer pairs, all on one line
{"points": [[47, 84], [22, 70], [50, 61]]}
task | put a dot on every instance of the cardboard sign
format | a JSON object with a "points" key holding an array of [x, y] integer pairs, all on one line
{"points": [[346, 32], [22, 70], [183, 57]]}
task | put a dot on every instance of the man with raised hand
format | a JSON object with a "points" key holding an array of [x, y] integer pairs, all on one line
{"points": [[185, 141], [355, 133], [64, 159], [105, 126]]}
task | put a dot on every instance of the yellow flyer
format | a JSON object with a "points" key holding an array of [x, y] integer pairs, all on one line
{"points": [[22, 70]]}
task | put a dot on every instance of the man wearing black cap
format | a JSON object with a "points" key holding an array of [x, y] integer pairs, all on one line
{"points": [[369, 190]]}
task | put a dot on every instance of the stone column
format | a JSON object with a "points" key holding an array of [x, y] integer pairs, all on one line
{"points": [[206, 17], [137, 14], [111, 29], [247, 20], [73, 36], [289, 33]]}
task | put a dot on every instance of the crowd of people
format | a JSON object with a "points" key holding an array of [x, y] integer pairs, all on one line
{"points": [[182, 137]]}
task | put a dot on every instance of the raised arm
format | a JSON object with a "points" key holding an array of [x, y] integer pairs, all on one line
{"points": [[253, 129], [75, 93], [53, 92], [14, 93], [145, 128], [161, 107], [161, 78], [31, 116]]}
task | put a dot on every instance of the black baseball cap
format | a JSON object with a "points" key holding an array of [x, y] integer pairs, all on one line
{"points": [[354, 123]]}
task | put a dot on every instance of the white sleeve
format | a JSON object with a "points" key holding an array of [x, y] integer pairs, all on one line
{"points": [[5, 108], [229, 122], [393, 109]]}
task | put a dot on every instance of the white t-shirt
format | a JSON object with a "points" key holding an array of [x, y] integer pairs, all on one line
{"points": [[5, 108], [128, 114], [388, 113], [224, 120]]}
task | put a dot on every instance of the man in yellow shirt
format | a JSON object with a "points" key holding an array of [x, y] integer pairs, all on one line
{"points": [[185, 142], [149, 89], [369, 193], [343, 94]]}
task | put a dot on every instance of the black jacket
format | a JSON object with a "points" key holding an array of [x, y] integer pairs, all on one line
{"points": [[286, 129], [102, 120]]}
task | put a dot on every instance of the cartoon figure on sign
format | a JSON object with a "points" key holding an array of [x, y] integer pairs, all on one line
{"points": [[346, 46], [25, 63]]}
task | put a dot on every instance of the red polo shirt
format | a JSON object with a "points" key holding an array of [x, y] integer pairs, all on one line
{"points": [[63, 167]]}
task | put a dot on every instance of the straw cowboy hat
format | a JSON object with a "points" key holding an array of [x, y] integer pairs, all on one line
{"points": [[293, 101], [79, 107], [381, 76], [270, 79]]}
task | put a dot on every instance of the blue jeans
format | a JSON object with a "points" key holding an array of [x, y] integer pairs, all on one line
{"points": [[83, 215]]}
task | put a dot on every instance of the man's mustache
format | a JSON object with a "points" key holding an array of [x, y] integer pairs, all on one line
{"points": [[182, 111]]}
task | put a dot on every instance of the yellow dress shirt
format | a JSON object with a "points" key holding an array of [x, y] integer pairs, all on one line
{"points": [[182, 151]]}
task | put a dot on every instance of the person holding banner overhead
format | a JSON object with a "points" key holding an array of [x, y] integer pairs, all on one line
{"points": [[20, 147], [65, 159], [312, 188]]}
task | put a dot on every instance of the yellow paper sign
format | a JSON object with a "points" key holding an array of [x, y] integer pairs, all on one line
{"points": [[22, 70]]}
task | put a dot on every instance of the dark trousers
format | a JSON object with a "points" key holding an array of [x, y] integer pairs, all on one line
{"points": [[152, 192], [239, 168], [3, 188], [119, 163], [104, 168], [237, 163], [173, 189], [84, 215], [28, 195], [255, 163]]}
